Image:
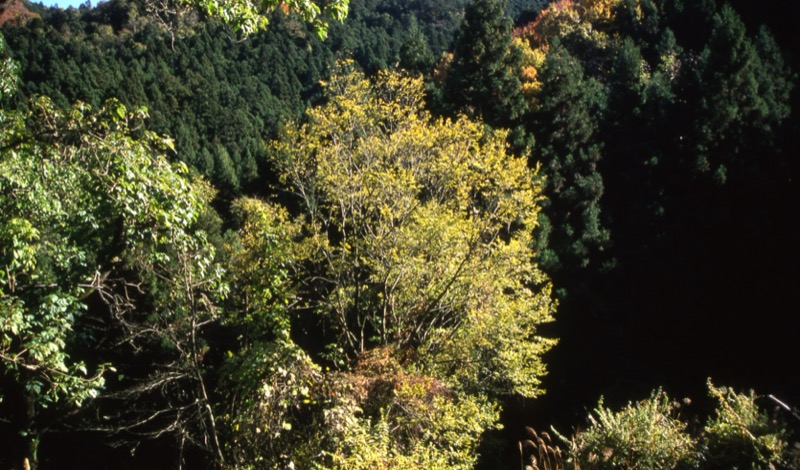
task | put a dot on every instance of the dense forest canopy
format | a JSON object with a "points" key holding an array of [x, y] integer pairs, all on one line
{"points": [[220, 120], [263, 235]]}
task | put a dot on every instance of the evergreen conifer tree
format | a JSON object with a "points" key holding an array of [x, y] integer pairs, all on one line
{"points": [[569, 149], [483, 79]]}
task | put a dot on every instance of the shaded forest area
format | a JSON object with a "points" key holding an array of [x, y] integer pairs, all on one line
{"points": [[660, 138]]}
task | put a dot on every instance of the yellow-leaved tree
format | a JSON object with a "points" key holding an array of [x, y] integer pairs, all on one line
{"points": [[419, 235], [415, 254]]}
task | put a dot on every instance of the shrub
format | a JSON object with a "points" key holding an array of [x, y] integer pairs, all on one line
{"points": [[646, 435], [650, 435], [740, 435]]}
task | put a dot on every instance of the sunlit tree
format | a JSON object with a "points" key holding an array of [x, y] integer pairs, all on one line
{"points": [[418, 231], [92, 212]]}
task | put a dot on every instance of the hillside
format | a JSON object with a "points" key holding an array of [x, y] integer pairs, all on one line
{"points": [[447, 221], [15, 12]]}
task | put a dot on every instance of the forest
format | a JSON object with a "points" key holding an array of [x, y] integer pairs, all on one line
{"points": [[398, 234]]}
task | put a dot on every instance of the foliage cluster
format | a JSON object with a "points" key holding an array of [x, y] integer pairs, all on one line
{"points": [[651, 434], [741, 434], [420, 234], [411, 252], [94, 213], [220, 99], [388, 290], [392, 418], [645, 435]]}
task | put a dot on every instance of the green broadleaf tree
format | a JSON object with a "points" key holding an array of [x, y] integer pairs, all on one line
{"points": [[248, 16], [88, 212]]}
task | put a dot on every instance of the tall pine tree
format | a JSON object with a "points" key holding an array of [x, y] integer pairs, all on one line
{"points": [[483, 78], [569, 149]]}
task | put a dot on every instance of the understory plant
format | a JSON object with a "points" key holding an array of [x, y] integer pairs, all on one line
{"points": [[650, 434], [741, 435], [645, 435]]}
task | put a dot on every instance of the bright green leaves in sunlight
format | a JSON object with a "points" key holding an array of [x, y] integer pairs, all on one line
{"points": [[258, 261], [85, 196], [268, 380], [8, 72], [248, 16], [419, 234]]}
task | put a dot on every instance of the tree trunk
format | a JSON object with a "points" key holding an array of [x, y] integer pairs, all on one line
{"points": [[30, 458]]}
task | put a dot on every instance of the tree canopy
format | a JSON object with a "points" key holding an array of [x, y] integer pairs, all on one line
{"points": [[336, 264], [92, 210], [419, 231]]}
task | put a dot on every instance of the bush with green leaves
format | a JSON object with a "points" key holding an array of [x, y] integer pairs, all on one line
{"points": [[644, 435], [741, 435], [650, 435]]}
